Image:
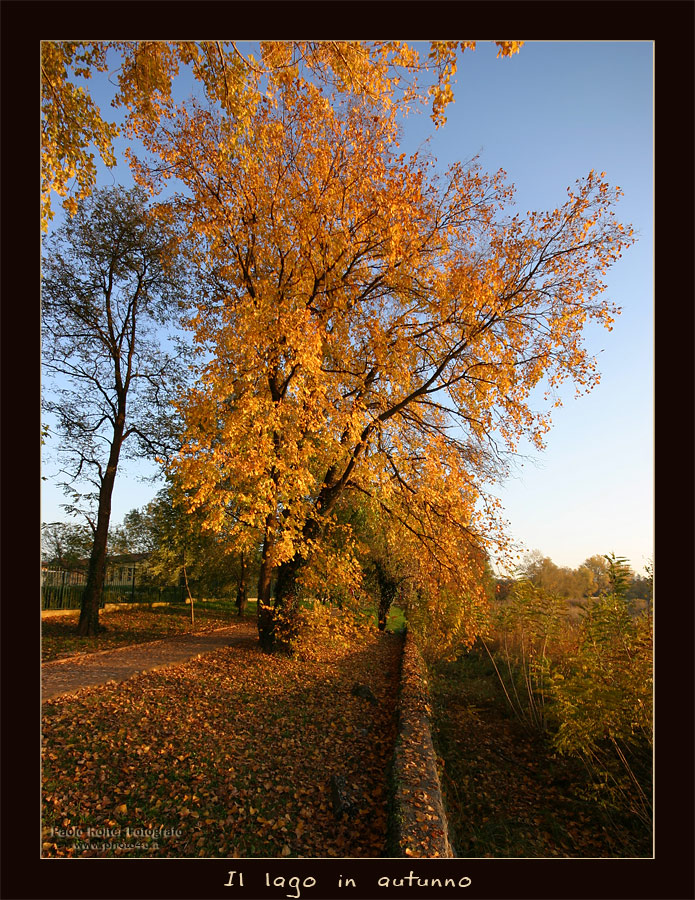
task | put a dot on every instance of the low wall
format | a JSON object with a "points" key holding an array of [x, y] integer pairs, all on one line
{"points": [[109, 607], [418, 825]]}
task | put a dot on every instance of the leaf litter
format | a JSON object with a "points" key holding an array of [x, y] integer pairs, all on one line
{"points": [[229, 754]]}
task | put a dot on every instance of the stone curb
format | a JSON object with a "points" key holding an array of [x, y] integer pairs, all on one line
{"points": [[418, 826]]}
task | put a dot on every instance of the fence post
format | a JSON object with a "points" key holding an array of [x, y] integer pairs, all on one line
{"points": [[132, 593]]}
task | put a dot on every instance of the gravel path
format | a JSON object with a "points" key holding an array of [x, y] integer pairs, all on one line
{"points": [[64, 676]]}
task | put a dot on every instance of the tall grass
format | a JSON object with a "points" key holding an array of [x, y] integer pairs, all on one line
{"points": [[586, 685]]}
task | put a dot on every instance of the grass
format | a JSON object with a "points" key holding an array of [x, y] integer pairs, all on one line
{"points": [[507, 793], [137, 625], [230, 754], [395, 621], [134, 625]]}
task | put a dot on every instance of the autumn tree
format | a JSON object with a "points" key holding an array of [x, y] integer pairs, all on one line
{"points": [[372, 328], [111, 283], [598, 566], [146, 72], [570, 584]]}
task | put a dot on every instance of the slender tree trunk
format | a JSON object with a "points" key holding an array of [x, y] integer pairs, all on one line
{"points": [[388, 588], [188, 591], [89, 612], [242, 591], [264, 615]]}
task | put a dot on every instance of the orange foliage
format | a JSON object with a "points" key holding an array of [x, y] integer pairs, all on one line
{"points": [[377, 71], [371, 328], [368, 327]]}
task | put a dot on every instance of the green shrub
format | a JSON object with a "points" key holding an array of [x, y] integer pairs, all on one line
{"points": [[603, 704], [531, 637], [586, 682]]}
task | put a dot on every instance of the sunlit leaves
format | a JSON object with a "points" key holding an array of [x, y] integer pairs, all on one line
{"points": [[125, 626], [383, 73], [372, 329], [70, 123]]}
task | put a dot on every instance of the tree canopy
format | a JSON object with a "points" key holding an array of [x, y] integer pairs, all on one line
{"points": [[370, 331], [146, 71], [372, 327]]}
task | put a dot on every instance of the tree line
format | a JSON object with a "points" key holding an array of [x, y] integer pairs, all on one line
{"points": [[598, 574], [327, 346]]}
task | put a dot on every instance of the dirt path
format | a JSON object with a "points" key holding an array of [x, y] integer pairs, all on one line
{"points": [[64, 676]]}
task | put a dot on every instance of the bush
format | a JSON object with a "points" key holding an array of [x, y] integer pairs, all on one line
{"points": [[318, 629], [586, 683], [531, 637], [603, 704]]}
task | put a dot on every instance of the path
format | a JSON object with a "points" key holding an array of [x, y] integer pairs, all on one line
{"points": [[63, 676]]}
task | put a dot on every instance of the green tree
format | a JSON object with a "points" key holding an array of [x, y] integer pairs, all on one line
{"points": [[111, 282], [179, 550], [65, 544]]}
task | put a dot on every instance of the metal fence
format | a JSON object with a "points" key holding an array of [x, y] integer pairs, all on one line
{"points": [[63, 589]]}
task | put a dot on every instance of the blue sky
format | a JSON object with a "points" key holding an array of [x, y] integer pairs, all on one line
{"points": [[547, 116]]}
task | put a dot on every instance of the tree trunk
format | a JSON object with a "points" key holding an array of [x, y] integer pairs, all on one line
{"points": [[264, 613], [88, 624], [388, 588], [188, 591], [265, 618], [277, 622], [242, 591], [286, 606]]}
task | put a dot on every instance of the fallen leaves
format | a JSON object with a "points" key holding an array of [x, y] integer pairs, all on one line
{"points": [[229, 754], [130, 625]]}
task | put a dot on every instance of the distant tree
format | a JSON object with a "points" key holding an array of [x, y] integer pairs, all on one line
{"points": [[180, 550], [134, 535], [598, 566], [175, 543], [649, 569], [503, 588], [385, 573], [111, 283], [65, 544], [545, 574]]}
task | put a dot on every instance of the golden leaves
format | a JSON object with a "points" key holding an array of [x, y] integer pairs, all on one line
{"points": [[368, 71], [369, 329], [70, 123]]}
